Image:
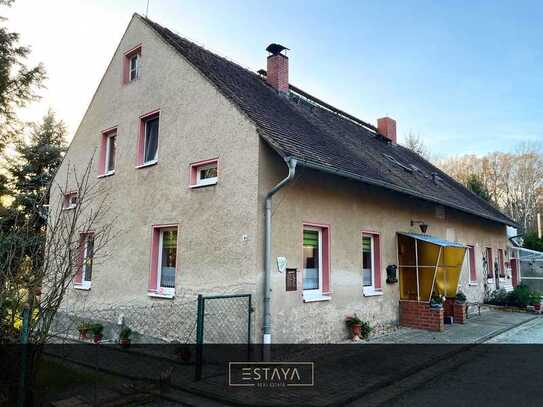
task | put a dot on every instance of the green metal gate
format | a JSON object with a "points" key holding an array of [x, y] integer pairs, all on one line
{"points": [[220, 320]]}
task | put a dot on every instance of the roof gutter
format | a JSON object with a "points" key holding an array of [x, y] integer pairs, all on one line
{"points": [[266, 325]]}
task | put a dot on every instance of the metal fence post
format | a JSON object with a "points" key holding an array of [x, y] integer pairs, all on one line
{"points": [[199, 337], [24, 344]]}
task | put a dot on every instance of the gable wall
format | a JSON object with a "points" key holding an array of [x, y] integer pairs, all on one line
{"points": [[196, 123]]}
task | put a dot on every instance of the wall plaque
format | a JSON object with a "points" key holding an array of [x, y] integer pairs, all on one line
{"points": [[290, 277]]}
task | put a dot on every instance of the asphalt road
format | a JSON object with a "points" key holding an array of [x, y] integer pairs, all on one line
{"points": [[504, 371]]}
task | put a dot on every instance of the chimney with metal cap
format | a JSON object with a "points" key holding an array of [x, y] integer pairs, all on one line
{"points": [[277, 68], [387, 127]]}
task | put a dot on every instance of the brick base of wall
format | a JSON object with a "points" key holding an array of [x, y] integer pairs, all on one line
{"points": [[419, 315], [457, 311]]}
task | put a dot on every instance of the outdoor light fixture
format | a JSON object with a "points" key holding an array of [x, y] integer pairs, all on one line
{"points": [[423, 226]]}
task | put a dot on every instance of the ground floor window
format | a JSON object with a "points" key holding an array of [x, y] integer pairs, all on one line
{"points": [[489, 263], [501, 263], [315, 262], [371, 264], [163, 260], [471, 264], [83, 275]]}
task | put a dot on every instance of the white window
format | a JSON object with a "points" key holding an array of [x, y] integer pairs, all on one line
{"points": [[134, 67], [167, 261], [70, 200], [206, 174], [87, 260], [312, 261], [110, 153], [368, 267], [150, 142]]}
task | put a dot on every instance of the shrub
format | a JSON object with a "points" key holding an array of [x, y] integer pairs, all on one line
{"points": [[354, 320], [521, 296], [125, 333], [498, 297], [460, 297], [97, 329], [365, 330]]}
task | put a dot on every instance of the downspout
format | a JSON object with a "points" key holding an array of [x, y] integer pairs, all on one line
{"points": [[266, 326]]}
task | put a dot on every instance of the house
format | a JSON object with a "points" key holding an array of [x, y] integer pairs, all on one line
{"points": [[224, 180]]}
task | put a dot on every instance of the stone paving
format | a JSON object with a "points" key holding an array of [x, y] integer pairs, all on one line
{"points": [[476, 329]]}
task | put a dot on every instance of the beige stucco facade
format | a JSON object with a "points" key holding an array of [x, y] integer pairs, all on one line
{"points": [[221, 227]]}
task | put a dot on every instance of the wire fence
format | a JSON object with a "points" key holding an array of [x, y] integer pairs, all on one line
{"points": [[160, 322]]}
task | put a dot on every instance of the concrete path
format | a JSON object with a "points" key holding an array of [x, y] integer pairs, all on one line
{"points": [[529, 333], [476, 330]]}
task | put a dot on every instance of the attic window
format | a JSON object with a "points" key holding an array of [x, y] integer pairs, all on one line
{"points": [[132, 65], [399, 164]]}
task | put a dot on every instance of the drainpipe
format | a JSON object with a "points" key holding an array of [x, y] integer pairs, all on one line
{"points": [[266, 326]]}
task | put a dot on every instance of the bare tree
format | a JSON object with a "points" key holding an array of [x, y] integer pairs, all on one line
{"points": [[415, 143], [42, 285]]}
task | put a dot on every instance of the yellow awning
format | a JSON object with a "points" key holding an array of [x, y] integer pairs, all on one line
{"points": [[428, 265]]}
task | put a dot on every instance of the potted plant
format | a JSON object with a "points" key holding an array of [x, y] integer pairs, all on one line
{"points": [[124, 337], [97, 330], [536, 302], [355, 324], [460, 298], [436, 302], [84, 328]]}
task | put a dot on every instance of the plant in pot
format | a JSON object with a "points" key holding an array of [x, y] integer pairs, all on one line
{"points": [[436, 301], [460, 298], [124, 337], [536, 301], [97, 330], [84, 328], [359, 328]]}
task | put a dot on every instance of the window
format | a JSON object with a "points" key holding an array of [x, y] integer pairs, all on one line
{"points": [[316, 270], [106, 162], [148, 141], [203, 173], [83, 275], [371, 264], [501, 263], [134, 68], [489, 264], [132, 65], [164, 261], [471, 264], [70, 200]]}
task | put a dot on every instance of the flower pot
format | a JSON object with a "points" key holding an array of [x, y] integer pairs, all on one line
{"points": [[125, 343], [435, 305], [356, 329], [83, 334], [460, 302], [537, 307], [98, 338]]}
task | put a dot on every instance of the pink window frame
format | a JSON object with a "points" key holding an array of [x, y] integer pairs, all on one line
{"points": [[78, 277], [126, 63], [377, 271], [193, 171], [490, 263], [104, 136], [153, 288], [326, 258], [141, 138], [472, 263], [501, 263], [66, 200]]}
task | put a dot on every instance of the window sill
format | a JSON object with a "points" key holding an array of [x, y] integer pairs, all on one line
{"points": [[203, 185], [107, 174], [148, 164], [69, 208], [165, 296], [371, 292], [473, 284], [83, 286], [317, 298]]}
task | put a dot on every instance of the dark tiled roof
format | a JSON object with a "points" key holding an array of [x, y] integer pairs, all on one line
{"points": [[325, 140]]}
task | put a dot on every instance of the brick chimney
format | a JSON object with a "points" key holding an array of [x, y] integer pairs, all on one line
{"points": [[277, 69], [387, 127]]}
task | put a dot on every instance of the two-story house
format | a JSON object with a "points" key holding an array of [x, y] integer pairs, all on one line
{"points": [[224, 180]]}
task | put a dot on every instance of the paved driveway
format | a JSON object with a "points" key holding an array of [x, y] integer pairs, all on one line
{"points": [[530, 332]]}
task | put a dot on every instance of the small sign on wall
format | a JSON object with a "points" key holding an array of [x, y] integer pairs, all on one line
{"points": [[281, 264], [290, 278]]}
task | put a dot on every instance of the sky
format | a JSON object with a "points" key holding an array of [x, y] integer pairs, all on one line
{"points": [[466, 76]]}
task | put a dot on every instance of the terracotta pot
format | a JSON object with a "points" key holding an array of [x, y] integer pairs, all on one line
{"points": [[125, 343], [83, 334], [98, 338], [356, 329], [537, 307]]}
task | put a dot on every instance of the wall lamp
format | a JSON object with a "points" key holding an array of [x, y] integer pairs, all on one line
{"points": [[423, 226]]}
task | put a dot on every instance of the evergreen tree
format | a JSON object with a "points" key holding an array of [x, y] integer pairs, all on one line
{"points": [[476, 185]]}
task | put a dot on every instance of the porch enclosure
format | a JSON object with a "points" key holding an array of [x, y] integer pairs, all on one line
{"points": [[428, 266], [527, 268]]}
